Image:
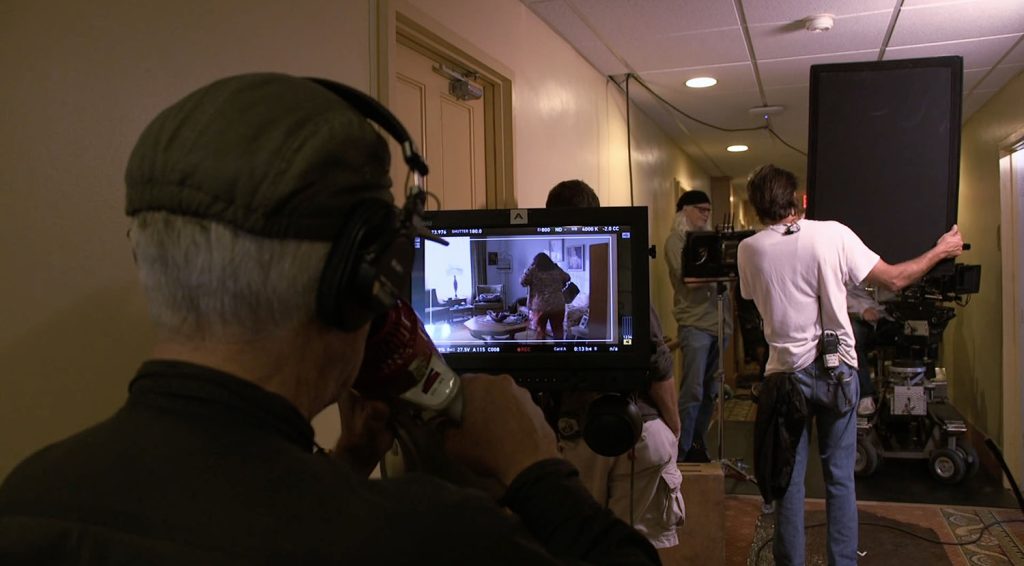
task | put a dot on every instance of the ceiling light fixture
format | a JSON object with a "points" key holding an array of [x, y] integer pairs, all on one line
{"points": [[819, 22], [766, 110], [701, 82], [737, 148]]}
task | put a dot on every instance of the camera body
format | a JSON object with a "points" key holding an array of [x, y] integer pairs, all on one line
{"points": [[712, 254]]}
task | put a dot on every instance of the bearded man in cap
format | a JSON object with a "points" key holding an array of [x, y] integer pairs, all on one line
{"points": [[696, 312], [239, 195]]}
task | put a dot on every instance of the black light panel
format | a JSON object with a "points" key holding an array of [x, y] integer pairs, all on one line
{"points": [[884, 154]]}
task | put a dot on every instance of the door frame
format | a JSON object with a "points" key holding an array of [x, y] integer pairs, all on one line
{"points": [[1011, 238], [396, 21]]}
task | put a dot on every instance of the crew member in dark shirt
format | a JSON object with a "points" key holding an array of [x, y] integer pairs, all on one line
{"points": [[240, 194]]}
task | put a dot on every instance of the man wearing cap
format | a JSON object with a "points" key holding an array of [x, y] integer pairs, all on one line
{"points": [[236, 193], [696, 313]]}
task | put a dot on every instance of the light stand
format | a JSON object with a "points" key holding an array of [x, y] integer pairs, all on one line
{"points": [[721, 288]]}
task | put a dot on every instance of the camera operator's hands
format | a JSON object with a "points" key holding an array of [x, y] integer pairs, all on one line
{"points": [[951, 244], [365, 432], [502, 431]]}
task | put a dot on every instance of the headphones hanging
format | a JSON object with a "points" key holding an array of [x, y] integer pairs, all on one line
{"points": [[366, 270], [612, 424]]}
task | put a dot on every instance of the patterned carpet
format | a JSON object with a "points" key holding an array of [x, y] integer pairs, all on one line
{"points": [[880, 543]]}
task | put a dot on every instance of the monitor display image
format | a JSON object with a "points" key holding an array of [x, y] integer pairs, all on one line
{"points": [[579, 319]]}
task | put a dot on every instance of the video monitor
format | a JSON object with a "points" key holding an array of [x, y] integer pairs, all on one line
{"points": [[558, 299]]}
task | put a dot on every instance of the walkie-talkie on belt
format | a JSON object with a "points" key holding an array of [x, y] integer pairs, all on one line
{"points": [[830, 349]]}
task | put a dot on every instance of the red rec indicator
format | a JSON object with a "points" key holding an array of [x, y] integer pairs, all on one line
{"points": [[522, 348]]}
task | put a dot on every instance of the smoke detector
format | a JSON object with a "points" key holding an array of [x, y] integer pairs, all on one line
{"points": [[819, 22]]}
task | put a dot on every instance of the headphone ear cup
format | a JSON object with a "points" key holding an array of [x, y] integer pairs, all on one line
{"points": [[349, 294], [613, 425]]}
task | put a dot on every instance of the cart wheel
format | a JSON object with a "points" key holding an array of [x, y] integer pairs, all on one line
{"points": [[970, 455], [867, 458], [947, 465]]}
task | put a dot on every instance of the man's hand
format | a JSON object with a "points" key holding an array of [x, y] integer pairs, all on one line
{"points": [[951, 244], [502, 431], [365, 434], [671, 343], [870, 314]]}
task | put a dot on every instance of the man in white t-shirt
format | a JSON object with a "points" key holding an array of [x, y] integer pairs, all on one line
{"points": [[797, 271]]}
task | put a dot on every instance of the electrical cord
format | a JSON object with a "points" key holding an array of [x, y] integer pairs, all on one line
{"points": [[765, 127], [981, 533]]}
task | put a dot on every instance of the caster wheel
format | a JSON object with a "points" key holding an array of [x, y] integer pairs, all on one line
{"points": [[867, 458], [970, 455], [947, 465]]}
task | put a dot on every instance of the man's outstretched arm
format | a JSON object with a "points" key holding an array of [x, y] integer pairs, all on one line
{"points": [[896, 277]]}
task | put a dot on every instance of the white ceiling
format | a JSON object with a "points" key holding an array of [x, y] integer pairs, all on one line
{"points": [[761, 55]]}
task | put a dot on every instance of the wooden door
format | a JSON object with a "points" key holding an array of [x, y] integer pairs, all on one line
{"points": [[600, 326], [448, 132]]}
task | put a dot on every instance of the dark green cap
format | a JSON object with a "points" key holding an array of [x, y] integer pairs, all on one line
{"points": [[270, 154]]}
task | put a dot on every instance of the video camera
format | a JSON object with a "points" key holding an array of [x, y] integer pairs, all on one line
{"points": [[922, 310], [712, 253]]}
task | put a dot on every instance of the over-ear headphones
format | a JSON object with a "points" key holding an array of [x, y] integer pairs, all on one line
{"points": [[613, 424], [367, 267]]}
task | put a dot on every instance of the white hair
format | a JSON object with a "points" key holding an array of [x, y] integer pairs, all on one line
{"points": [[208, 281]]}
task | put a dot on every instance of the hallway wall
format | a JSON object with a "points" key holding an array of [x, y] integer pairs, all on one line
{"points": [[973, 340]]}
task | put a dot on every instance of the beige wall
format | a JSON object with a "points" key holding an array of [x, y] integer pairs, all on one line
{"points": [[973, 342], [81, 83]]}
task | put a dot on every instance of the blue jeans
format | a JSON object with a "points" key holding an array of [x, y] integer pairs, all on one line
{"points": [[699, 388], [830, 404]]}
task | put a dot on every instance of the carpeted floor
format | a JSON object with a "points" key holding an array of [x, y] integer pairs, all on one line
{"points": [[749, 532]]}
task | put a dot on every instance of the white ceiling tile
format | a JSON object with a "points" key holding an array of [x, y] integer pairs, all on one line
{"points": [[602, 59], [797, 70], [791, 124], [683, 51], [638, 19], [974, 102], [1017, 55], [731, 78], [1000, 76], [561, 18], [971, 78], [779, 11], [964, 20], [977, 53], [722, 109], [852, 33], [919, 3]]}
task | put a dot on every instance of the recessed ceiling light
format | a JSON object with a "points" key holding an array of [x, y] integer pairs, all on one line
{"points": [[737, 148], [701, 82]]}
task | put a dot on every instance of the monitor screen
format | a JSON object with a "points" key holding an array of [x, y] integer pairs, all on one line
{"points": [[556, 298]]}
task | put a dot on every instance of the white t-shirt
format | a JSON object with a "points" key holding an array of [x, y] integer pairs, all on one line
{"points": [[785, 275]]}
